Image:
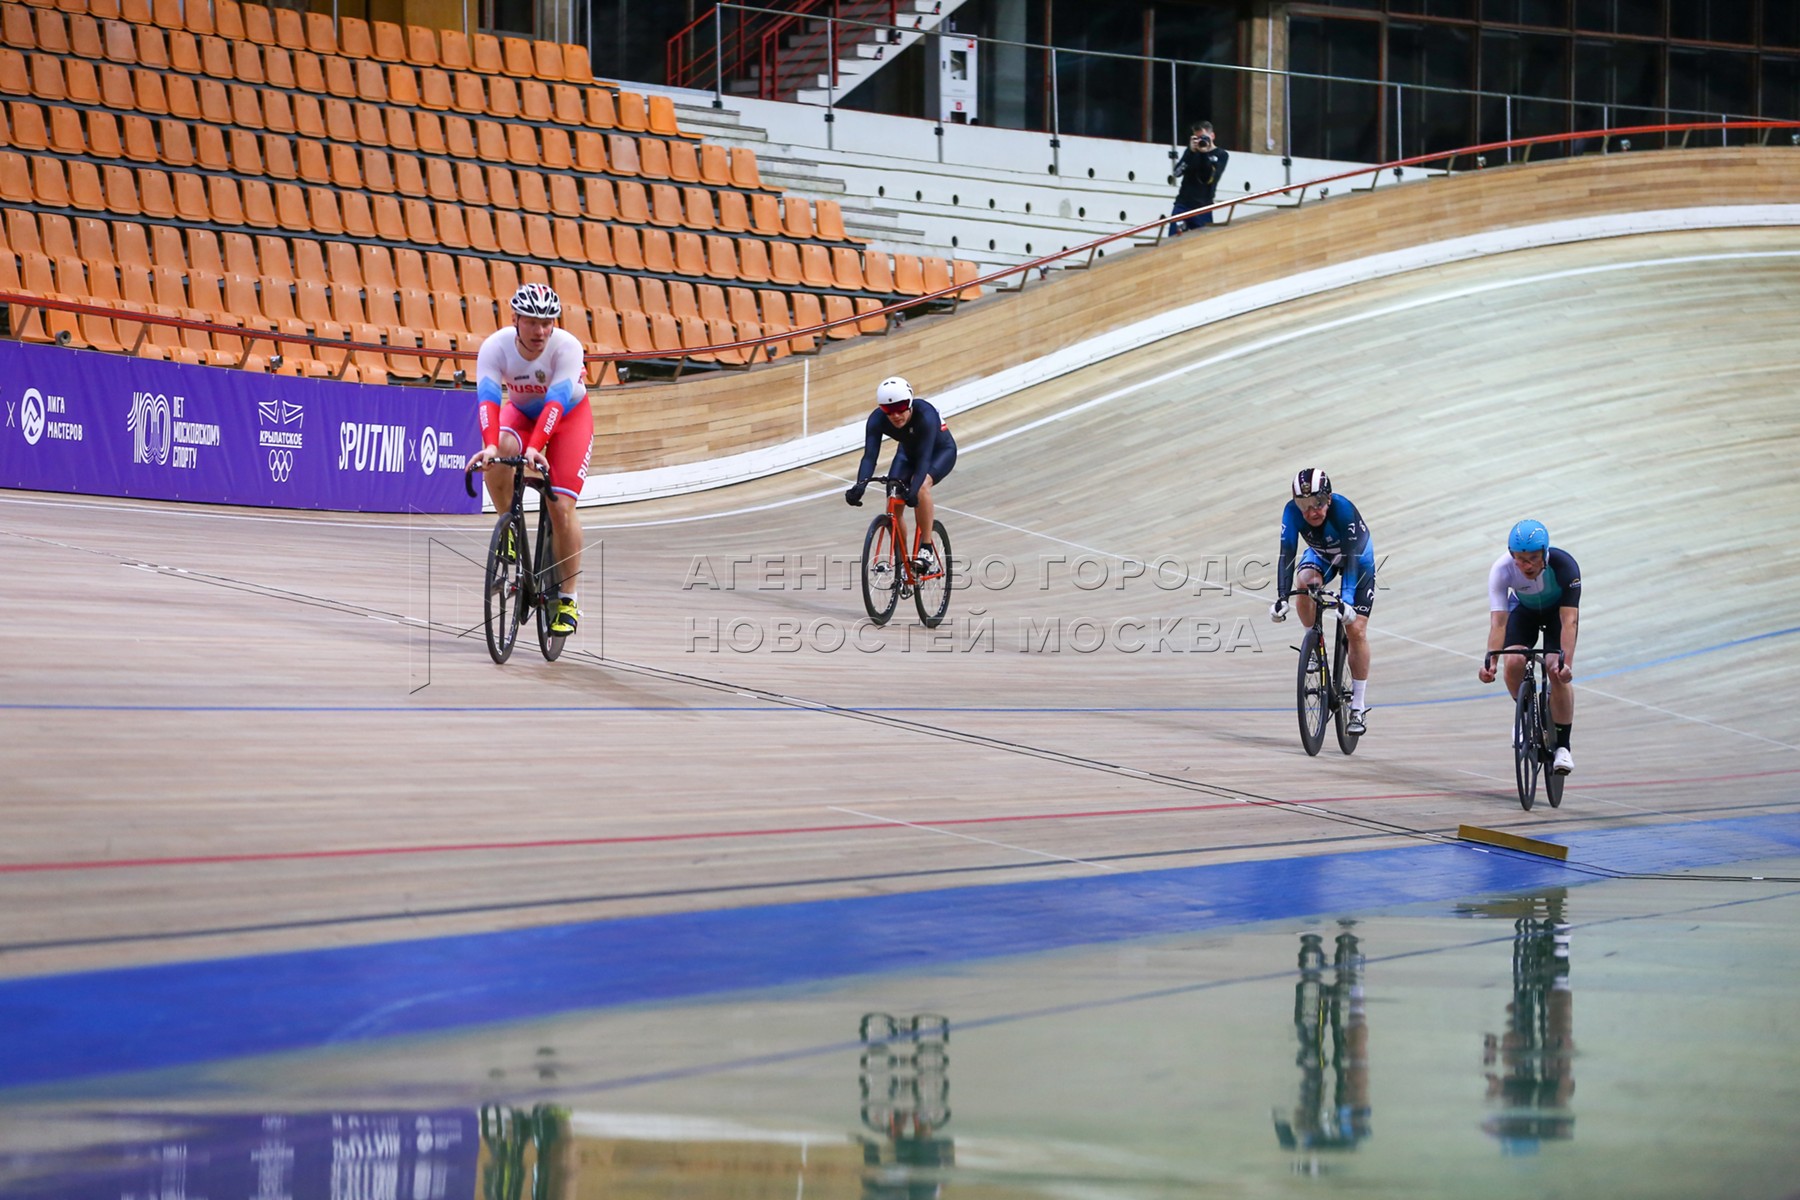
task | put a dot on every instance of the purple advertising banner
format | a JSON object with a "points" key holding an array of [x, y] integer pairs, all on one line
{"points": [[303, 1156], [108, 425]]}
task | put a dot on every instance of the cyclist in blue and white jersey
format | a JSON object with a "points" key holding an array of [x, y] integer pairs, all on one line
{"points": [[1337, 543], [1535, 588]]}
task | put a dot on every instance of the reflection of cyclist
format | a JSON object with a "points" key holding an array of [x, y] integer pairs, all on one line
{"points": [[927, 453], [1337, 542], [528, 381], [1531, 1066], [1533, 588]]}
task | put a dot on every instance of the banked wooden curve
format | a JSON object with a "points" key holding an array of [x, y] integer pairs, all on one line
{"points": [[693, 420]]}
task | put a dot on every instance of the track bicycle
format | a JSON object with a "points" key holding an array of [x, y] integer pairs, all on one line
{"points": [[1322, 688], [519, 577], [1534, 730], [889, 574]]}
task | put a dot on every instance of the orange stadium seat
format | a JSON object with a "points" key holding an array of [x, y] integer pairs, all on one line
{"points": [[216, 60], [734, 213], [424, 48], [590, 153], [409, 178], [815, 268], [354, 40], [596, 246], [84, 187], [660, 116], [47, 78], [714, 167], [576, 68], [209, 148], [808, 314], [965, 272], [877, 273], [309, 119], [836, 309], [435, 90], [167, 13], [400, 132], [339, 75], [846, 268], [155, 193], [67, 136], [17, 28], [631, 115], [522, 145], [598, 199], [697, 209], [533, 195], [28, 132], [653, 158], [484, 54], [321, 33], [103, 135], [721, 257], [547, 60], [744, 172], [277, 64], [765, 215], [553, 146], [937, 273], [684, 162], [470, 95], [79, 85], [259, 23], [396, 85], [784, 265], [290, 31], [753, 261], [49, 182], [601, 113], [632, 203], [566, 105], [517, 58], [388, 43], [377, 175], [909, 276], [796, 218], [152, 48], [665, 206], [227, 16], [119, 43]]}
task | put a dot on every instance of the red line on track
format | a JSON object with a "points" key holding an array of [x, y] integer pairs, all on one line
{"points": [[196, 860]]}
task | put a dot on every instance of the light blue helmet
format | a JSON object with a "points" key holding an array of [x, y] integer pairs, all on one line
{"points": [[1528, 537]]}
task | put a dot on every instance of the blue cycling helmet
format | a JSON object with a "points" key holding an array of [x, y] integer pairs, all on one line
{"points": [[1528, 537]]}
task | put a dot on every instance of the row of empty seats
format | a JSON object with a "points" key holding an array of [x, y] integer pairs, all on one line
{"points": [[351, 37], [369, 294], [419, 303], [189, 196], [431, 88], [172, 94]]}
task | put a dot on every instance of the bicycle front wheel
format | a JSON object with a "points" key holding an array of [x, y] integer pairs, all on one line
{"points": [[880, 571], [1553, 783], [1340, 693], [1526, 745], [932, 594], [502, 593], [548, 587], [1312, 692]]}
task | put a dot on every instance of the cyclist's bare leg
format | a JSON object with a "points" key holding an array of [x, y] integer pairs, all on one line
{"points": [[1304, 578], [499, 480], [567, 528], [1562, 702], [1356, 631], [927, 514], [1512, 669]]}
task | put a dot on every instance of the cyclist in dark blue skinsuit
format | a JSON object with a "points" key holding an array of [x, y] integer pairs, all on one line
{"points": [[927, 453], [1337, 543]]}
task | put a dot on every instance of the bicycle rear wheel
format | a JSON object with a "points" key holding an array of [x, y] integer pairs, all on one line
{"points": [[1340, 692], [880, 571], [548, 589], [502, 592], [1526, 741], [1312, 692], [932, 594]]}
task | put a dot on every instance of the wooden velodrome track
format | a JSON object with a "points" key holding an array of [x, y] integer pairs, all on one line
{"points": [[229, 732]]}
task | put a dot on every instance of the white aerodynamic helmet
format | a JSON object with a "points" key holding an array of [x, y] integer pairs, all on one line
{"points": [[895, 395], [537, 300]]}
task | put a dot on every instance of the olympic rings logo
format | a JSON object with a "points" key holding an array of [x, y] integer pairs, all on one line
{"points": [[281, 465]]}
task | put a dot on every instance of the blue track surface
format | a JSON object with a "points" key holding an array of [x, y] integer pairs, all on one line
{"points": [[73, 1026]]}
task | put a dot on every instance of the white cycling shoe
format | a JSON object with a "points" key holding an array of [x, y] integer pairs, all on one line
{"points": [[1564, 762]]}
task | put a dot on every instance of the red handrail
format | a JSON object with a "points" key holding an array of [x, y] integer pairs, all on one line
{"points": [[1297, 191]]}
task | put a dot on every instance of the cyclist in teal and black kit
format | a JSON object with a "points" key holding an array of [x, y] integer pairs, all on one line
{"points": [[1337, 543], [1535, 588]]}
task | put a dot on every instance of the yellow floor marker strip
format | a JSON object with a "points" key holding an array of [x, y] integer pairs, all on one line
{"points": [[1512, 841]]}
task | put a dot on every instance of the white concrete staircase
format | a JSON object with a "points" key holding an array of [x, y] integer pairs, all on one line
{"points": [[863, 49]]}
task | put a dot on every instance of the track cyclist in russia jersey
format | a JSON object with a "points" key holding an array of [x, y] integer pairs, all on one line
{"points": [[927, 453], [533, 400], [1535, 588], [1337, 543]]}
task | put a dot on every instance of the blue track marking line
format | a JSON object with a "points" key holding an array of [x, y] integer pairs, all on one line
{"points": [[1048, 710], [144, 1018]]}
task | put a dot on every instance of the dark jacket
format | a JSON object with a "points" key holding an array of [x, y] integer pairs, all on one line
{"points": [[1199, 173]]}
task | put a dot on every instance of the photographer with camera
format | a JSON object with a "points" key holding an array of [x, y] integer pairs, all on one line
{"points": [[1199, 169]]}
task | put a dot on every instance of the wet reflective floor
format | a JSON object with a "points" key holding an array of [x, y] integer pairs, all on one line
{"points": [[1576, 1036]]}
